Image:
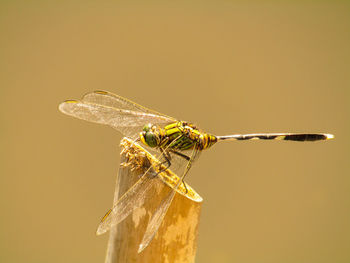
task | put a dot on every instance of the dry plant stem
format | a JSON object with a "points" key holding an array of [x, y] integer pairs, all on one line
{"points": [[176, 238]]}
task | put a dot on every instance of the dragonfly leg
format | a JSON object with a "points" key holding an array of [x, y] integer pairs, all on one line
{"points": [[187, 158], [165, 153], [167, 157], [189, 165]]}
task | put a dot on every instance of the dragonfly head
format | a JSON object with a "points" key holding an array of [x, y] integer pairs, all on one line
{"points": [[149, 136]]}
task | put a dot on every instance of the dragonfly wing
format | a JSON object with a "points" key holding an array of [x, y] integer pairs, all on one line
{"points": [[158, 216], [120, 119], [156, 220], [145, 188], [112, 100], [135, 197]]}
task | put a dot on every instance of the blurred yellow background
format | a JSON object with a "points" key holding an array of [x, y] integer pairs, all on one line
{"points": [[230, 67]]}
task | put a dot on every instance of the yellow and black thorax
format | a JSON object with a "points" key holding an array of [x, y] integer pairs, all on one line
{"points": [[177, 136]]}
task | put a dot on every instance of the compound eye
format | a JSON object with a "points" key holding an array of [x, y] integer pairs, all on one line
{"points": [[151, 139]]}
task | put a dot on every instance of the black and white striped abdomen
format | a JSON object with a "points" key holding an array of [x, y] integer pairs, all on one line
{"points": [[300, 137]]}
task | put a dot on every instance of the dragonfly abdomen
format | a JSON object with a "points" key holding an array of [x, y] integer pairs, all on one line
{"points": [[300, 137]]}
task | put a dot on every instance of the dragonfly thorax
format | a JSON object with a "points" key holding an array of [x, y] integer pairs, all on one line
{"points": [[177, 136]]}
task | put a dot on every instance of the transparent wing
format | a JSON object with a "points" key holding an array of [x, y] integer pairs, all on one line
{"points": [[126, 121], [132, 199], [109, 99], [159, 214], [135, 197]]}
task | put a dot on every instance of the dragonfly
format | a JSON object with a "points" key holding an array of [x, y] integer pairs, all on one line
{"points": [[172, 139]]}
